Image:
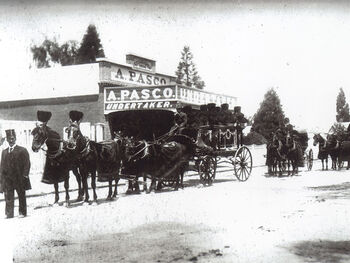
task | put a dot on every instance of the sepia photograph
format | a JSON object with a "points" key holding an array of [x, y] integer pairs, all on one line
{"points": [[174, 131]]}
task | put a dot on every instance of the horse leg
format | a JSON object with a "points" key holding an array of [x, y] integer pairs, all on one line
{"points": [[152, 186], [182, 179], [116, 180], [78, 178], [93, 184], [130, 190], [327, 163], [322, 160], [84, 176], [57, 197], [66, 187], [109, 197], [137, 187], [144, 183], [159, 185]]}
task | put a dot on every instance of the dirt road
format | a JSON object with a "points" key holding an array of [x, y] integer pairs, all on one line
{"points": [[302, 218]]}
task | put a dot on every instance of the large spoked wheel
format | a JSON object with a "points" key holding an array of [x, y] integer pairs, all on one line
{"points": [[242, 163], [207, 169], [310, 160]]}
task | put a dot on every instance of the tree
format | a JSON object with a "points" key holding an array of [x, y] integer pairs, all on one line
{"points": [[186, 72], [342, 107], [69, 53], [90, 47], [46, 54], [270, 115]]}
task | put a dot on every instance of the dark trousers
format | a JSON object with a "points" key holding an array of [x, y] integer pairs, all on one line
{"points": [[10, 202]]}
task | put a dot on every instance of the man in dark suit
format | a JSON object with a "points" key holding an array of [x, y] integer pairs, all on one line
{"points": [[14, 175]]}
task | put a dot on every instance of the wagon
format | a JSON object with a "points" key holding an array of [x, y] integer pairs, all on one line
{"points": [[228, 151], [299, 155]]}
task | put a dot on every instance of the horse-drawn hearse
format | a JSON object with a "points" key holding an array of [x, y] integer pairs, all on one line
{"points": [[183, 129], [156, 132], [287, 151]]}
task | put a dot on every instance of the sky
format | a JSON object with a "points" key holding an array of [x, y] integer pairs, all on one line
{"points": [[240, 48]]}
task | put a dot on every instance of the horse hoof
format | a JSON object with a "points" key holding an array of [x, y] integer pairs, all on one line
{"points": [[55, 205], [80, 198], [94, 203], [66, 204], [85, 203]]}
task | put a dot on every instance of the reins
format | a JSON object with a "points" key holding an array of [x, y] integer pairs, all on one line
{"points": [[145, 149]]}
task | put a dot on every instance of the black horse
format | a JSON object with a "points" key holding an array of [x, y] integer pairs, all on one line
{"points": [[323, 151], [274, 156], [338, 150], [294, 153], [59, 159], [108, 162], [104, 157], [86, 158], [163, 161]]}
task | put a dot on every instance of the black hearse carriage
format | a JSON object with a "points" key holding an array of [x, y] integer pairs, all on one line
{"points": [[147, 113]]}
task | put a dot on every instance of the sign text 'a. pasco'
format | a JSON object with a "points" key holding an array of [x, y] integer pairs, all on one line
{"points": [[140, 78], [137, 94]]}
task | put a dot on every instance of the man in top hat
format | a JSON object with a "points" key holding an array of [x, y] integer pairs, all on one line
{"points": [[14, 175]]}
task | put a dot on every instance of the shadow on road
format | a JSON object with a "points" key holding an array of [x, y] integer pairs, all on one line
{"points": [[322, 251], [334, 191]]}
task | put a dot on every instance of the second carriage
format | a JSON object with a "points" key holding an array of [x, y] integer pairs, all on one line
{"points": [[288, 147]]}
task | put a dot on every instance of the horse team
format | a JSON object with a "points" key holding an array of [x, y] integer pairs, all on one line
{"points": [[285, 152], [335, 146], [160, 160]]}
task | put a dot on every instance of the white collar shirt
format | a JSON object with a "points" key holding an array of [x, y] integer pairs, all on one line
{"points": [[11, 148]]}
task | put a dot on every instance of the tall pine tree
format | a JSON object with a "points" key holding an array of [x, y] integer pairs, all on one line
{"points": [[91, 47], [342, 107], [270, 115], [186, 72]]}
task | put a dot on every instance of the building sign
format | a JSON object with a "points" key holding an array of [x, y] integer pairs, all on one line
{"points": [[139, 98], [124, 74], [199, 97], [164, 97]]}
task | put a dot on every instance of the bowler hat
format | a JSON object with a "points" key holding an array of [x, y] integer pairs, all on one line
{"points": [[10, 132], [43, 116], [76, 115]]}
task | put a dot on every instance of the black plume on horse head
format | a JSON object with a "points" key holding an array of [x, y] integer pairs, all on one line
{"points": [[75, 115], [43, 116]]}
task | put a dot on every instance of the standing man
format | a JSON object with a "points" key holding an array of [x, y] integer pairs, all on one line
{"points": [[14, 175]]}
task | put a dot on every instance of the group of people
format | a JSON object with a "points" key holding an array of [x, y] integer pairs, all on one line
{"points": [[211, 118]]}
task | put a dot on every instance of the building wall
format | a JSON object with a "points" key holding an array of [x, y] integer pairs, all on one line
{"points": [[90, 105]]}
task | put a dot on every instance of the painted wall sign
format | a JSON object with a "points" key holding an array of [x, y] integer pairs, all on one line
{"points": [[164, 97], [121, 106], [198, 97], [137, 77]]}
